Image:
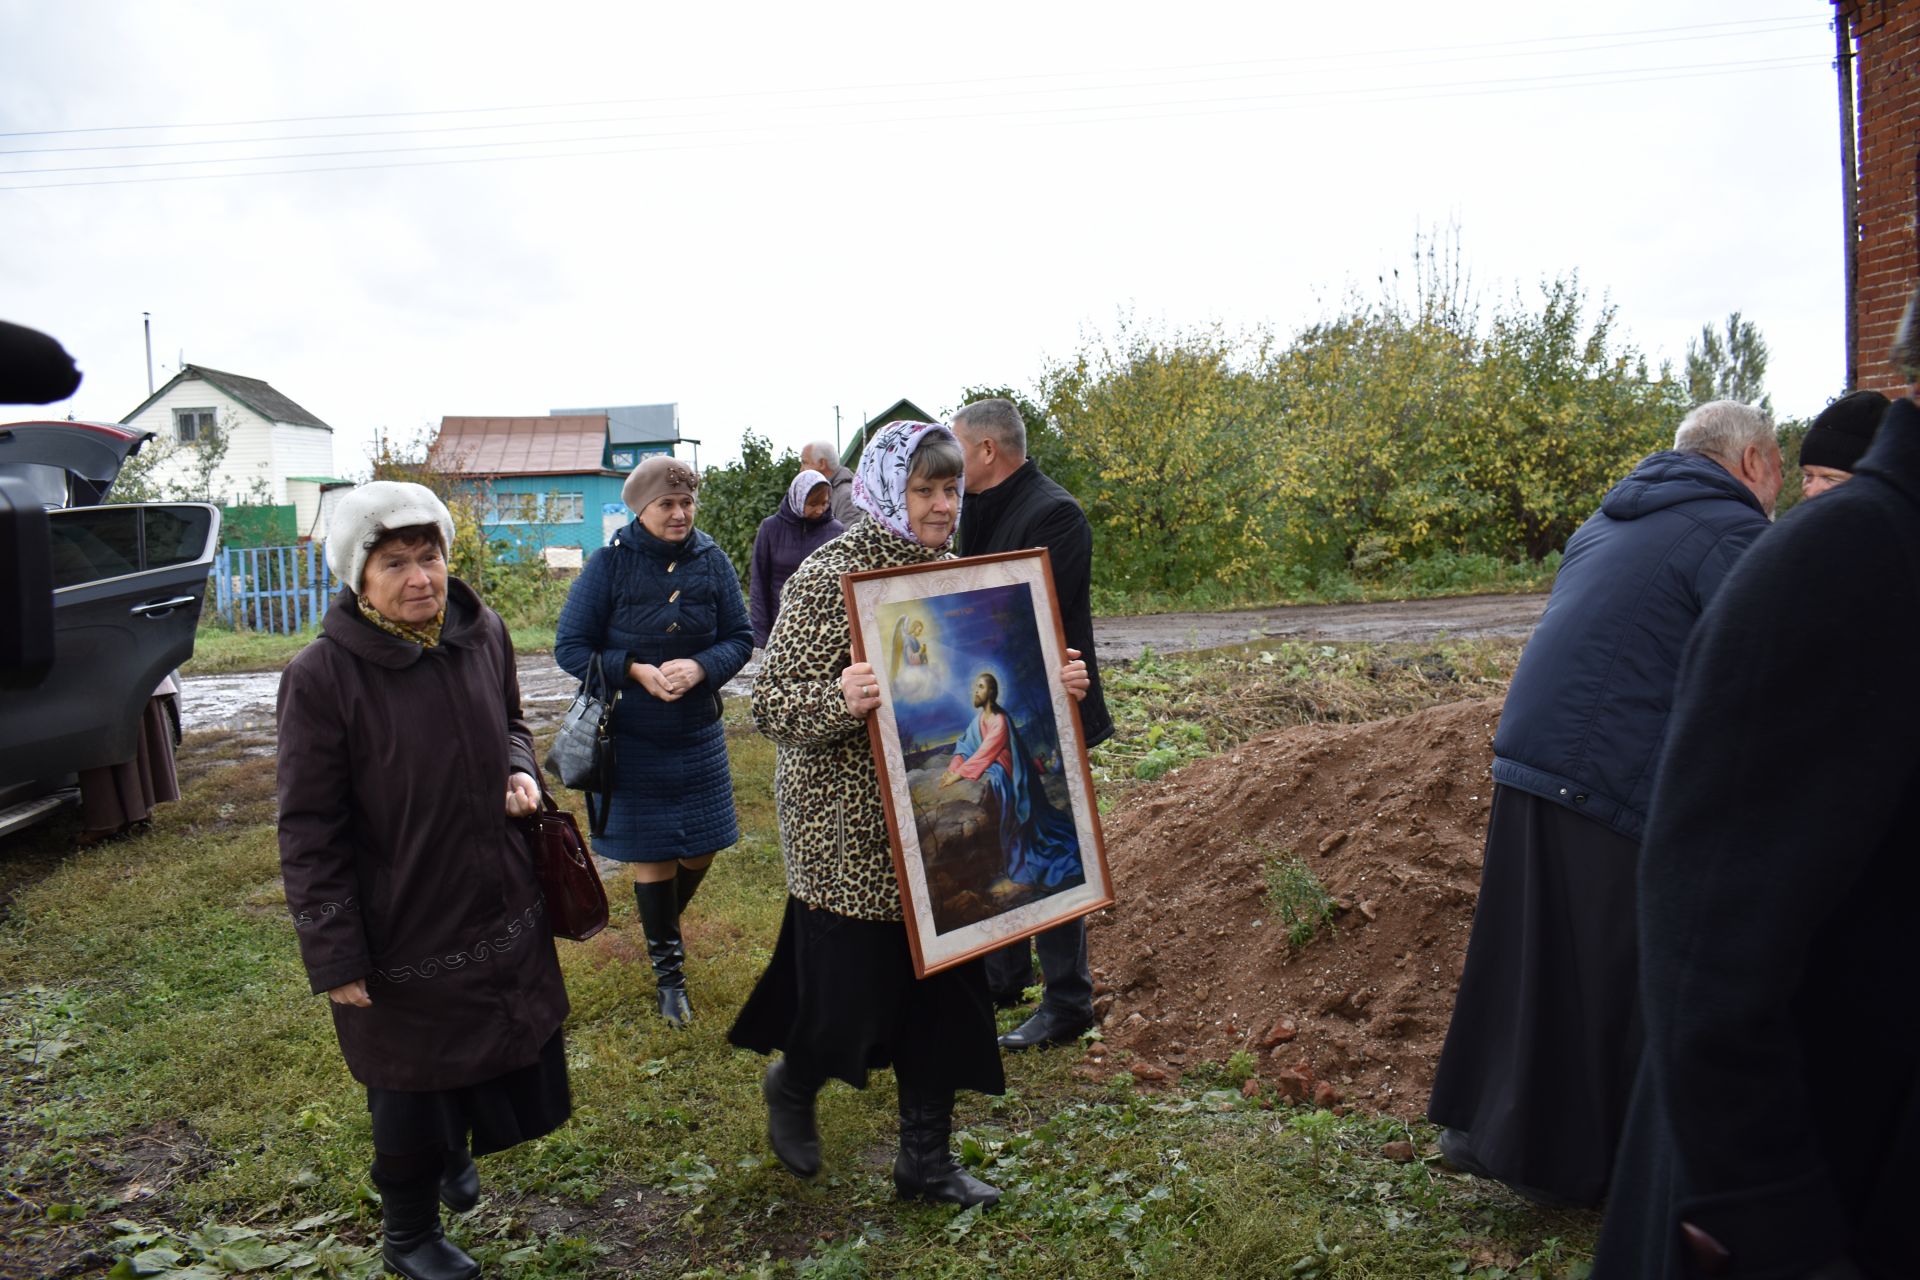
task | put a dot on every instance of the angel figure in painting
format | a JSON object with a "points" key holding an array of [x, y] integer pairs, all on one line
{"points": [[1041, 842], [910, 669]]}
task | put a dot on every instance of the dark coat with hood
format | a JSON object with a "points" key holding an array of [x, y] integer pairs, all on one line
{"points": [[1587, 711], [400, 863], [1778, 1106], [649, 601], [785, 539], [1027, 510]]}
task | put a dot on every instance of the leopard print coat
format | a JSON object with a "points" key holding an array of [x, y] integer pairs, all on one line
{"points": [[833, 826]]}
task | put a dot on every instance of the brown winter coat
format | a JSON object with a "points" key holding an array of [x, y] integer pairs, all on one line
{"points": [[401, 865]]}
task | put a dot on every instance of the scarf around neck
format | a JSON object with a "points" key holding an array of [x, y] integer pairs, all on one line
{"points": [[426, 634], [880, 486]]}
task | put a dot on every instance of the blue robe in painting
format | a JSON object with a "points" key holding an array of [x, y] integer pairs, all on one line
{"points": [[1043, 847]]}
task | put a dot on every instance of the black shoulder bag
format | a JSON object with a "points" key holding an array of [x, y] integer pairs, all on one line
{"points": [[582, 754]]}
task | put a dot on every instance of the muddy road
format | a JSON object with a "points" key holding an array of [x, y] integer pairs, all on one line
{"points": [[244, 701]]}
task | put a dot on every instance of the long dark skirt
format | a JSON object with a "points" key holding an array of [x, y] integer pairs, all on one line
{"points": [[1540, 1057], [114, 797], [523, 1104], [839, 997]]}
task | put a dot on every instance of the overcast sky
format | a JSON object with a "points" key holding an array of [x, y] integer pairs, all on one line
{"points": [[762, 211]]}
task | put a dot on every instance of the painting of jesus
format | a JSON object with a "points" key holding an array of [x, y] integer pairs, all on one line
{"points": [[986, 783]]}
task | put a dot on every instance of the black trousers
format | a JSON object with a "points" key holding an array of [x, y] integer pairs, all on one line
{"points": [[1063, 965]]}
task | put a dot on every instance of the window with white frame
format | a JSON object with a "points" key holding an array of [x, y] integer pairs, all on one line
{"points": [[516, 508], [566, 508], [190, 424]]}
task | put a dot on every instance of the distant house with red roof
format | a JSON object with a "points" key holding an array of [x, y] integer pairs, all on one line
{"points": [[551, 485]]}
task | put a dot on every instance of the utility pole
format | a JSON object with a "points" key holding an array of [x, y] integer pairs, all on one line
{"points": [[836, 433], [1850, 194], [146, 324]]}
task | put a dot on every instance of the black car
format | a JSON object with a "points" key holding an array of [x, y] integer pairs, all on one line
{"points": [[128, 582]]}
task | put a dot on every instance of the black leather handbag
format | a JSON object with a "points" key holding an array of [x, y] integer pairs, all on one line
{"points": [[582, 752]]}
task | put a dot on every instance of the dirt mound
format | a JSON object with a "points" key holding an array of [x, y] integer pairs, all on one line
{"points": [[1194, 964]]}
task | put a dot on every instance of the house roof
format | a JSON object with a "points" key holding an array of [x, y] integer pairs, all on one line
{"points": [[560, 444], [901, 410], [254, 393], [639, 423]]}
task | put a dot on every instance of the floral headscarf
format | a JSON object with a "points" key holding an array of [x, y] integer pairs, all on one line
{"points": [[803, 484], [880, 486]]}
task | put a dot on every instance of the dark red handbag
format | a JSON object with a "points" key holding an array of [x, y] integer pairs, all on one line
{"points": [[576, 900]]}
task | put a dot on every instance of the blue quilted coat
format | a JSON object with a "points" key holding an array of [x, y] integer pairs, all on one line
{"points": [[644, 600]]}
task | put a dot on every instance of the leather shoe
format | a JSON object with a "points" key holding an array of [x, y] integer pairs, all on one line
{"points": [[1043, 1028]]}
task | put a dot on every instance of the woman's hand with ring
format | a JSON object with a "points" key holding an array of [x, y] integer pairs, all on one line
{"points": [[860, 689]]}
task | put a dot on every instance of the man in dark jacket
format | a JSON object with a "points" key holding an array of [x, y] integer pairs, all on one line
{"points": [[821, 456], [1533, 1081], [1778, 1105], [1012, 506]]}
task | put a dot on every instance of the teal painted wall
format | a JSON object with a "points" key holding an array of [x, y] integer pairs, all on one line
{"points": [[534, 512]]}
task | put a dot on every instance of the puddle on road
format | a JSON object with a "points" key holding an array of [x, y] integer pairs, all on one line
{"points": [[245, 700]]}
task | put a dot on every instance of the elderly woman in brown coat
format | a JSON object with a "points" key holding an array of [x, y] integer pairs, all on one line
{"points": [[402, 758]]}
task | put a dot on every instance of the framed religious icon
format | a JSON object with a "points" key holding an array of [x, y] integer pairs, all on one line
{"points": [[983, 766]]}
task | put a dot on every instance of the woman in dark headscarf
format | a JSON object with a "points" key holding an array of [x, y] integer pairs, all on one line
{"points": [[402, 756], [803, 523], [839, 995]]}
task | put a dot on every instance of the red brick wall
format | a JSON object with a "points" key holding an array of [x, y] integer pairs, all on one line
{"points": [[1886, 36]]}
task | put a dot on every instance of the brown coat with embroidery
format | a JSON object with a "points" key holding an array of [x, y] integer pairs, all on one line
{"points": [[400, 863], [833, 827]]}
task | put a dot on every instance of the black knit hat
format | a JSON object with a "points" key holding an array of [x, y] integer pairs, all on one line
{"points": [[1842, 432]]}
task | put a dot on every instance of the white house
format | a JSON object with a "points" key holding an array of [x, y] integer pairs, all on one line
{"points": [[278, 454]]}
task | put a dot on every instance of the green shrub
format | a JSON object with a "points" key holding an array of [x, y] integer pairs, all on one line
{"points": [[1298, 899]]}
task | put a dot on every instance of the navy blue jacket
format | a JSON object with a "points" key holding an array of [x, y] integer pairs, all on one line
{"points": [[645, 600], [1586, 715]]}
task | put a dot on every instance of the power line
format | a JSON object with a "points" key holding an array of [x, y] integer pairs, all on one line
{"points": [[1381, 96], [917, 99], [1570, 79], [1761, 26]]}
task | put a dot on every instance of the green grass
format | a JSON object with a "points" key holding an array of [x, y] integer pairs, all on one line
{"points": [[219, 650], [166, 1071], [1439, 575]]}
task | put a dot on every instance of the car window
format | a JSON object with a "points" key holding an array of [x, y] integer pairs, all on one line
{"points": [[91, 543], [176, 535]]}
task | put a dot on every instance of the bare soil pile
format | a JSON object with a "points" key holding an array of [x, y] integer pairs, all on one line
{"points": [[1193, 964]]}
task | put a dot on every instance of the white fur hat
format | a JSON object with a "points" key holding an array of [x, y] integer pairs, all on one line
{"points": [[373, 511]]}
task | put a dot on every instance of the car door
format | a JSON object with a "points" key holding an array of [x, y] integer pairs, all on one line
{"points": [[128, 585]]}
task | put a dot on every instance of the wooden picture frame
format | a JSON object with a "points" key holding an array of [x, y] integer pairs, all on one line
{"points": [[989, 800]]}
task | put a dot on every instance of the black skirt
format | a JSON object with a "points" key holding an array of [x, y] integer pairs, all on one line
{"points": [[840, 998], [525, 1103], [1540, 1057]]}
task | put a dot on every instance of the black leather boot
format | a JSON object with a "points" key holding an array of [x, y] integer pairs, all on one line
{"points": [[460, 1183], [660, 919], [925, 1169], [687, 880], [790, 1126], [413, 1243]]}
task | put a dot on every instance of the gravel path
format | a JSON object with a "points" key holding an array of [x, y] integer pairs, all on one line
{"points": [[244, 701]]}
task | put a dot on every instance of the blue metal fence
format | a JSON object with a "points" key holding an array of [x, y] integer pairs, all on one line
{"points": [[280, 589]]}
